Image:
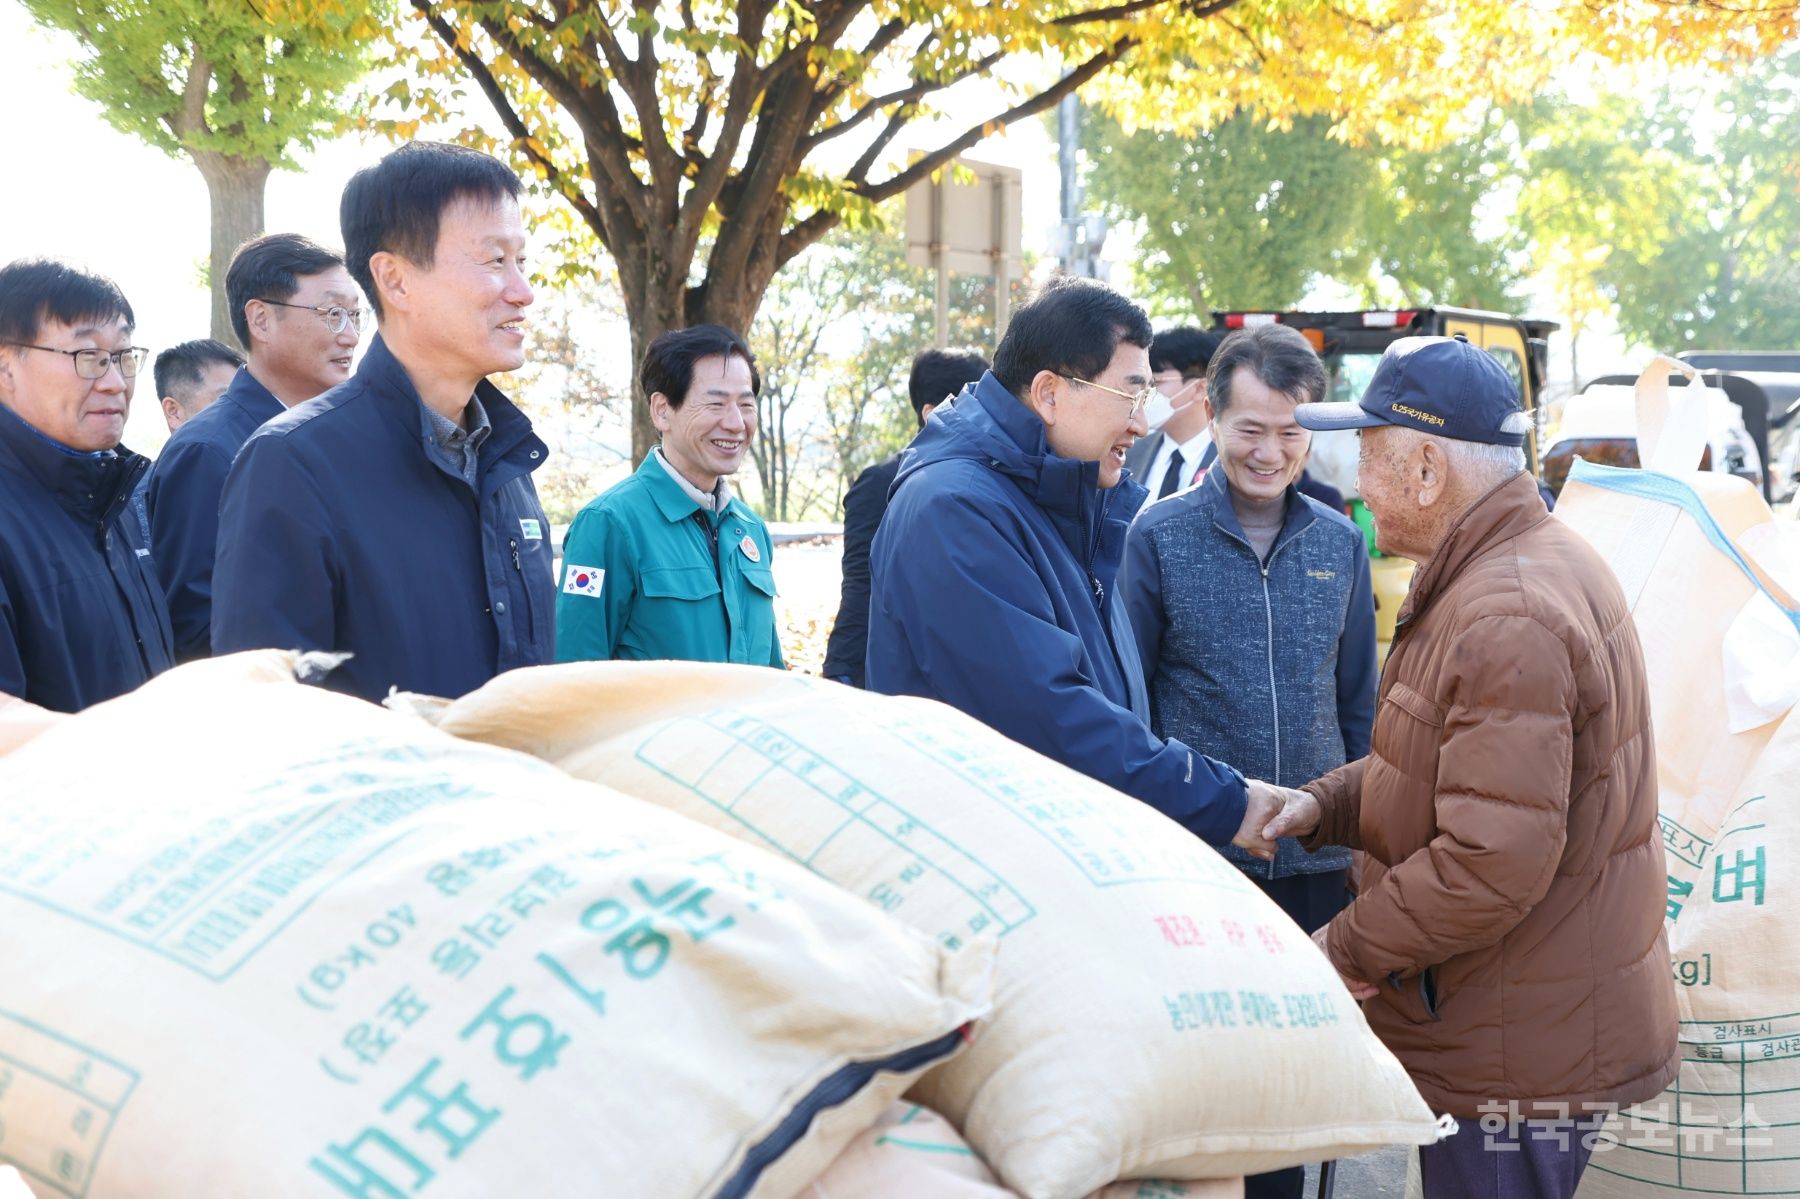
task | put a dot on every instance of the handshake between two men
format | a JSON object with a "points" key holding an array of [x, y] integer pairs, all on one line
{"points": [[1273, 813], [1276, 812]]}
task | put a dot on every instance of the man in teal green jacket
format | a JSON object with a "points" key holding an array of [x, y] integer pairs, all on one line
{"points": [[669, 564]]}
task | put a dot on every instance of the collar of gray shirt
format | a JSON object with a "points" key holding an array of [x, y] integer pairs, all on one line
{"points": [[714, 503], [1261, 521], [454, 446]]}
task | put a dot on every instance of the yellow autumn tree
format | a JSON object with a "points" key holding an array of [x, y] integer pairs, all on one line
{"points": [[705, 144]]}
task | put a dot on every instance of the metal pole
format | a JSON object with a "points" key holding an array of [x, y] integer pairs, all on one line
{"points": [[1068, 146], [941, 253], [1002, 281], [1068, 150]]}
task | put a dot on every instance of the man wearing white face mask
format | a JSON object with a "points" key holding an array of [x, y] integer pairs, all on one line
{"points": [[1170, 457]]}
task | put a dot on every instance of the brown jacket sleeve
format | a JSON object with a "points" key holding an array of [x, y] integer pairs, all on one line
{"points": [[1340, 807], [1501, 806]]}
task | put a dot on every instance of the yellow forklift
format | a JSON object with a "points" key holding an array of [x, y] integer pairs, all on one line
{"points": [[1351, 343]]}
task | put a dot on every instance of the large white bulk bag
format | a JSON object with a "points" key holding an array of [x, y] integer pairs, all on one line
{"points": [[1156, 1016], [1711, 576], [264, 940]]}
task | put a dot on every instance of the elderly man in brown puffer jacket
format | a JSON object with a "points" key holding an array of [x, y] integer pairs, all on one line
{"points": [[1508, 927]]}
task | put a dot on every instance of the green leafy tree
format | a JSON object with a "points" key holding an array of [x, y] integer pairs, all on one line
{"points": [[836, 335], [707, 143], [1677, 213], [1426, 230], [1247, 215], [1238, 216], [1706, 199], [234, 89]]}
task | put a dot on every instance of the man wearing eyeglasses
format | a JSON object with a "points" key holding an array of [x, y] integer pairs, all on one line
{"points": [[81, 614], [394, 518], [992, 572], [298, 312]]}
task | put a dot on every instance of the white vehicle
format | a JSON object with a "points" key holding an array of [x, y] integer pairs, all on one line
{"points": [[1600, 425]]}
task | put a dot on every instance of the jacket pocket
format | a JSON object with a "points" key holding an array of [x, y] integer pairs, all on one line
{"points": [[678, 582], [1410, 701], [762, 579], [758, 615], [1416, 998]]}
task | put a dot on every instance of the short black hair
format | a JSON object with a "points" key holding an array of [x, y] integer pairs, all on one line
{"points": [[180, 366], [1186, 349], [396, 204], [1073, 327], [270, 267], [668, 364], [939, 374], [1278, 355], [35, 290]]}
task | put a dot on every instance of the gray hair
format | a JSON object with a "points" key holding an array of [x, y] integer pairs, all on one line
{"points": [[1493, 464], [1486, 465]]}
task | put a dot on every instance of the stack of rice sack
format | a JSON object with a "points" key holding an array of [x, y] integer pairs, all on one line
{"points": [[260, 939], [1155, 1016]]}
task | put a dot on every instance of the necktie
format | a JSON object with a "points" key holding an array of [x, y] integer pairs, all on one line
{"points": [[1172, 477]]}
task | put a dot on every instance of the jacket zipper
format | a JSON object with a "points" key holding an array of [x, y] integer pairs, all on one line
{"points": [[524, 590], [1093, 553], [1274, 699], [1269, 624]]}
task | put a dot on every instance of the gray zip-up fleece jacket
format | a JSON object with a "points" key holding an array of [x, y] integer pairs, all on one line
{"points": [[1267, 666]]}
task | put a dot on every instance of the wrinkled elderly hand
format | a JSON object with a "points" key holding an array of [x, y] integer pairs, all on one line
{"points": [[1264, 804], [1299, 816], [1272, 813], [1358, 989]]}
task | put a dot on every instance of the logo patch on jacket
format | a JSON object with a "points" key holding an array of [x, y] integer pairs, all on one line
{"points": [[582, 580], [749, 550], [531, 530], [1321, 574]]}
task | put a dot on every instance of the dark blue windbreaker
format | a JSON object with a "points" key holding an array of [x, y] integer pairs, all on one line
{"points": [[181, 501], [338, 531], [991, 589], [81, 613]]}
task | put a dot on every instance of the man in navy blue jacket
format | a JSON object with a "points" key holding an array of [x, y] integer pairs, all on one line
{"points": [[296, 309], [394, 517], [994, 565], [81, 615]]}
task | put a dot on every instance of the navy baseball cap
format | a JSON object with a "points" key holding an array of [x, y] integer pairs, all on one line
{"points": [[1440, 385]]}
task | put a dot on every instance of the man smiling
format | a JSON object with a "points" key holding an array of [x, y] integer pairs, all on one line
{"points": [[394, 517], [296, 309], [1254, 617], [993, 568], [669, 564], [81, 615]]}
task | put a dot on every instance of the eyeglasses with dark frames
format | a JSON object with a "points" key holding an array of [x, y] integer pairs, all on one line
{"points": [[1138, 399], [93, 364], [337, 318]]}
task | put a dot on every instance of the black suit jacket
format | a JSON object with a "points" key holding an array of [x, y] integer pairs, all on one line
{"points": [[863, 505]]}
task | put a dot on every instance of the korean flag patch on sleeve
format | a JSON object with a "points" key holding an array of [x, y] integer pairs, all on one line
{"points": [[582, 580]]}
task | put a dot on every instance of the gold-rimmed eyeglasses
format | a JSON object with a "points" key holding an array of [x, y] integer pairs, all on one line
{"points": [[1138, 399]]}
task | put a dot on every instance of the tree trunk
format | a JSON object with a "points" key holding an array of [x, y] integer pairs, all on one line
{"points": [[235, 188]]}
